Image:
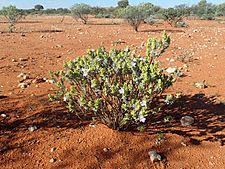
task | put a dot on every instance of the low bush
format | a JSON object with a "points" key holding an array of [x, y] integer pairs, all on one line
{"points": [[181, 24], [118, 88], [151, 20]]}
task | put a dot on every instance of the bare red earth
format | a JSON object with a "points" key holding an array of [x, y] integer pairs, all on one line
{"points": [[41, 44]]}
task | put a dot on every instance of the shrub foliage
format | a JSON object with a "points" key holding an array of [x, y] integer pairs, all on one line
{"points": [[81, 11], [13, 15], [118, 88]]}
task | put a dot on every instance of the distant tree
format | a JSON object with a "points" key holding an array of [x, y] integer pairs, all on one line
{"points": [[134, 15], [172, 16], [123, 3], [13, 15], [220, 10], [81, 11], [204, 10], [38, 7], [183, 9], [147, 9]]}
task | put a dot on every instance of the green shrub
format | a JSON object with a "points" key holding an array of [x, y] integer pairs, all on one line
{"points": [[123, 3], [172, 16], [181, 24], [13, 15], [134, 15], [118, 88], [151, 20], [207, 17], [103, 15], [81, 11]]}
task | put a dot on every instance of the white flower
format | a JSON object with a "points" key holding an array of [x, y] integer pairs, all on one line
{"points": [[142, 118], [142, 58], [121, 91], [133, 64], [64, 98], [85, 72], [143, 103]]}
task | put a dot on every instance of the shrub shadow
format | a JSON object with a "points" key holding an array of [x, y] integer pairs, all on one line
{"points": [[159, 30], [209, 118], [35, 31]]}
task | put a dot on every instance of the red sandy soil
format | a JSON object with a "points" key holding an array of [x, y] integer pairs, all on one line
{"points": [[44, 44]]}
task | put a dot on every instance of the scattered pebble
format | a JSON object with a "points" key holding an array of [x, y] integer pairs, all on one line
{"points": [[32, 128], [21, 75], [52, 149], [187, 121], [171, 70], [200, 85], [106, 150], [4, 115], [154, 156], [52, 160], [22, 85], [23, 59]]}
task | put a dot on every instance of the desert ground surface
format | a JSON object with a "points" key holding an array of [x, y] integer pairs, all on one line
{"points": [[43, 43]]}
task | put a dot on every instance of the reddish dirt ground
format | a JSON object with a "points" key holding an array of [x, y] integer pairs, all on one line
{"points": [[42, 44]]}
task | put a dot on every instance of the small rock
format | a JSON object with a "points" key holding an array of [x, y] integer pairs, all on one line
{"points": [[92, 125], [200, 85], [106, 150], [154, 156], [21, 75], [4, 115], [25, 77], [53, 149], [22, 85], [59, 46], [171, 70], [13, 60], [32, 128], [38, 80], [23, 59], [183, 144], [187, 121], [52, 160], [42, 36]]}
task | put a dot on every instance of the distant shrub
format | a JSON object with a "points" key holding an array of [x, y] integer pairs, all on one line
{"points": [[103, 15], [81, 11], [151, 20], [117, 88], [13, 15], [134, 15], [172, 16], [123, 3], [207, 17], [181, 24]]}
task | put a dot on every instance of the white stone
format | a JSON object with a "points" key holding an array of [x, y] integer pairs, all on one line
{"points": [[171, 70], [187, 121], [3, 115], [32, 128], [154, 156]]}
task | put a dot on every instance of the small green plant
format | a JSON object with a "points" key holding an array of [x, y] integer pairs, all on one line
{"points": [[13, 15], [118, 88], [161, 137]]}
